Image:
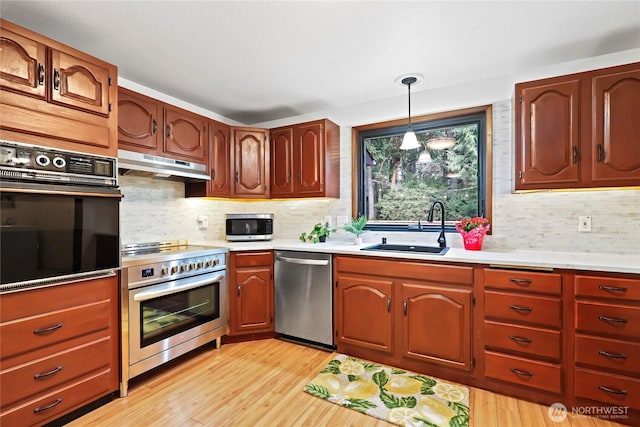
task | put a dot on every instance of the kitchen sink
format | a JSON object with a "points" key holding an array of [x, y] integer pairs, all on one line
{"points": [[434, 250]]}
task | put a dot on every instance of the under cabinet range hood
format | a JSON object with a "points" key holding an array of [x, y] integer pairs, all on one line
{"points": [[133, 163]]}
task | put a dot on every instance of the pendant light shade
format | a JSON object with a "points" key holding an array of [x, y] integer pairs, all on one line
{"points": [[409, 141]]}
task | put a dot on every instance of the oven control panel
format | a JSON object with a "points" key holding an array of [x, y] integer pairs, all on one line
{"points": [[29, 162], [147, 274]]}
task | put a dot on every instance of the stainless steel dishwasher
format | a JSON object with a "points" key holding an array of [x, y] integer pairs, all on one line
{"points": [[304, 296]]}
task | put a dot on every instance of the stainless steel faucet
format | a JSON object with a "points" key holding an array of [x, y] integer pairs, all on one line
{"points": [[441, 239]]}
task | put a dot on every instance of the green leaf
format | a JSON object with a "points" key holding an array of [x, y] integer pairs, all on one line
{"points": [[368, 366], [427, 423], [332, 368], [391, 401], [459, 421], [397, 371], [380, 378], [317, 391], [352, 378], [459, 408], [360, 405], [425, 380]]}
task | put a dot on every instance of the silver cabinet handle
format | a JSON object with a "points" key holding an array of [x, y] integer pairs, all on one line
{"points": [[47, 330], [302, 260], [144, 296], [46, 374]]}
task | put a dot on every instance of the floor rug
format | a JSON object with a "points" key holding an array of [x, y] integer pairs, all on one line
{"points": [[394, 395]]}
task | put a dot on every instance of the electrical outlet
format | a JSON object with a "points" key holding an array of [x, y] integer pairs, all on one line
{"points": [[203, 220], [584, 224], [329, 220], [341, 220]]}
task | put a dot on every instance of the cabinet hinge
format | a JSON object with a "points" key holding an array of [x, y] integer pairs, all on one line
{"points": [[110, 82], [473, 361], [520, 99], [336, 283], [110, 107], [321, 129], [473, 300], [271, 276], [520, 174]]}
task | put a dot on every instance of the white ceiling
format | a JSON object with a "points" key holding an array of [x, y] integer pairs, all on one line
{"points": [[258, 61]]}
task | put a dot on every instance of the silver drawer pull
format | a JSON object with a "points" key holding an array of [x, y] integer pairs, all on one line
{"points": [[612, 390], [612, 355], [519, 308], [521, 373], [46, 408], [520, 339], [612, 319], [46, 374], [521, 282], [47, 330], [612, 288]]}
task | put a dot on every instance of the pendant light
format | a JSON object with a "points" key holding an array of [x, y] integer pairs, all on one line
{"points": [[409, 141]]}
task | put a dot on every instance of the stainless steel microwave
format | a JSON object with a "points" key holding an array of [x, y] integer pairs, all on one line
{"points": [[249, 227]]}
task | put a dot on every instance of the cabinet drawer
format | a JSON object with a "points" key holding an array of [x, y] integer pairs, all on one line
{"points": [[522, 339], [529, 373], [610, 319], [607, 287], [253, 259], [35, 332], [539, 310], [615, 389], [57, 402], [608, 353], [26, 380], [546, 283]]}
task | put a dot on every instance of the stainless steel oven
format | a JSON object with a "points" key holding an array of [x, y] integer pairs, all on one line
{"points": [[59, 216], [174, 299]]}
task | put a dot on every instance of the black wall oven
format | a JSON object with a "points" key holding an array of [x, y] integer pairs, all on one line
{"points": [[59, 216]]}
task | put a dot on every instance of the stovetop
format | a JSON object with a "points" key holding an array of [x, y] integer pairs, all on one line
{"points": [[165, 251]]}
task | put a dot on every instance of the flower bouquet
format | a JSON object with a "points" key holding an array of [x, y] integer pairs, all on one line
{"points": [[473, 231]]}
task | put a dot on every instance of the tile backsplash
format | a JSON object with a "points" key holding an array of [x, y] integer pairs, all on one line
{"points": [[155, 209]]}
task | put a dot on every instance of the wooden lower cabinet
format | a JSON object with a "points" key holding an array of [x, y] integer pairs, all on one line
{"points": [[59, 350], [388, 311], [251, 293], [607, 342]]}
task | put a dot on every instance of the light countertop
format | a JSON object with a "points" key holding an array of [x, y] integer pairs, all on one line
{"points": [[531, 259]]}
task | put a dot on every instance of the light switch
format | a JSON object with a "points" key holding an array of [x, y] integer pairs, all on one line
{"points": [[584, 224]]}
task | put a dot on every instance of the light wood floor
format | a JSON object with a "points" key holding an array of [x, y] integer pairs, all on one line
{"points": [[260, 383]]}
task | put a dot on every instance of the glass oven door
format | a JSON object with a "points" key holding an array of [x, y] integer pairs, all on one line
{"points": [[167, 314]]}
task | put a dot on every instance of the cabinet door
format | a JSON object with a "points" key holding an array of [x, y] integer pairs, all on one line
{"points": [[251, 154], [219, 159], [364, 312], [616, 129], [282, 162], [185, 134], [254, 300], [547, 135], [137, 122], [80, 84], [309, 164], [436, 324], [22, 68]]}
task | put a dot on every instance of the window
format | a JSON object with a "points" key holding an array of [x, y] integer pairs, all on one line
{"points": [[395, 188]]}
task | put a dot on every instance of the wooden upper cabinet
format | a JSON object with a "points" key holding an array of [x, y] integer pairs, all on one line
{"points": [[309, 152], [550, 134], [54, 95], [185, 134], [251, 163], [22, 68], [282, 175], [78, 83], [579, 131], [616, 133], [147, 125], [305, 160], [219, 159], [137, 121]]}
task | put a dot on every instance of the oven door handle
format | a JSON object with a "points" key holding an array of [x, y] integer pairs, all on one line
{"points": [[144, 296]]}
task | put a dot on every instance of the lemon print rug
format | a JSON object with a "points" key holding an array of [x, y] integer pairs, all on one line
{"points": [[394, 395]]}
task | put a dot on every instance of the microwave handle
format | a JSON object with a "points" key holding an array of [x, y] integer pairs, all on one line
{"points": [[144, 296]]}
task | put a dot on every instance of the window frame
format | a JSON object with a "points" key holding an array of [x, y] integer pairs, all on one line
{"points": [[359, 133]]}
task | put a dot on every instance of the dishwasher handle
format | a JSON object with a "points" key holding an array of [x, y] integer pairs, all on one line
{"points": [[302, 261]]}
